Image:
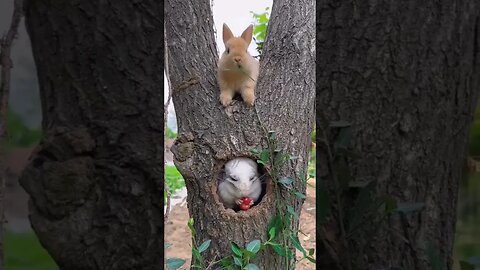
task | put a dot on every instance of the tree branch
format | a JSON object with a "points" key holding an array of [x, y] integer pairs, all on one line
{"points": [[165, 115]]}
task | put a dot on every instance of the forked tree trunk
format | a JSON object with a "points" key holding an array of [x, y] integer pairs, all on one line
{"points": [[95, 180], [209, 135], [406, 75]]}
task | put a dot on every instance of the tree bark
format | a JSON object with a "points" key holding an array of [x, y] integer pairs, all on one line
{"points": [[406, 75], [95, 180], [210, 135]]}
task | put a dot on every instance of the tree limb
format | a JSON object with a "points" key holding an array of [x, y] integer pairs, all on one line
{"points": [[165, 115]]}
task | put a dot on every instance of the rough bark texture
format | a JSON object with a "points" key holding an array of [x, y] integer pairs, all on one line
{"points": [[406, 74], [209, 135], [95, 180]]}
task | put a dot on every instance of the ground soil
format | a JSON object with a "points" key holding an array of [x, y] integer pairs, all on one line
{"points": [[178, 235]]}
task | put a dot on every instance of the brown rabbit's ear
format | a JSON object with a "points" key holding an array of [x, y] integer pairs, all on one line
{"points": [[227, 33], [247, 34]]}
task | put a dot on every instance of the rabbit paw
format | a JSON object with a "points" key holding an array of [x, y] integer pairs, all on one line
{"points": [[225, 99], [248, 96]]}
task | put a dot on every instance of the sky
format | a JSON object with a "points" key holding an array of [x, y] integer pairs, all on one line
{"points": [[236, 14]]}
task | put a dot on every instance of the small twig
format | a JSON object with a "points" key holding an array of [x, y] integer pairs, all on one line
{"points": [[165, 115], [167, 212], [6, 64]]}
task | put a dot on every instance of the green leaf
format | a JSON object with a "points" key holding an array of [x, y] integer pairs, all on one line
{"points": [[190, 226], [300, 195], [279, 159], [286, 181], [264, 156], [279, 250], [174, 263], [166, 245], [238, 261], [409, 207], [292, 211], [204, 246], [196, 254], [466, 266], [226, 261], [311, 259], [277, 223], [236, 249], [297, 245], [247, 255], [254, 246], [252, 266], [272, 233], [255, 151], [311, 251]]}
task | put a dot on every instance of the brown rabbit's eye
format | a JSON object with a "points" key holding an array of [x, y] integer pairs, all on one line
{"points": [[228, 50]]}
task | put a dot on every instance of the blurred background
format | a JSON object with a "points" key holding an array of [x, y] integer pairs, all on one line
{"points": [[22, 249]]}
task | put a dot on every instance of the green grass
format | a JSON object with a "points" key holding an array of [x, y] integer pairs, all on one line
{"points": [[24, 252]]}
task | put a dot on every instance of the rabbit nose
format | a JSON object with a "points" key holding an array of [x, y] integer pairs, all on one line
{"points": [[237, 59]]}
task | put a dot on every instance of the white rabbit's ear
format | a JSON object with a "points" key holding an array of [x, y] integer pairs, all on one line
{"points": [[247, 34], [227, 33]]}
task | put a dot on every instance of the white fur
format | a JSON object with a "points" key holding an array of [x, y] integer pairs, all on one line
{"points": [[242, 169]]}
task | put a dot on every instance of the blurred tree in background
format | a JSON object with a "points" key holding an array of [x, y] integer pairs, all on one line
{"points": [[19, 134]]}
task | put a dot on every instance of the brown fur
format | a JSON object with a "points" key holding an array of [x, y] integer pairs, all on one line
{"points": [[237, 69]]}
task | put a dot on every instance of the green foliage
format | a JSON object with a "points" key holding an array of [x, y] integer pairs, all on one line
{"points": [[280, 235], [24, 252], [174, 263], [171, 134], [173, 179], [19, 134], [260, 28], [471, 263], [241, 257], [197, 250]]}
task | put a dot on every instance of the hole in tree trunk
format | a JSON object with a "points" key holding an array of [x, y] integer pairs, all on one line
{"points": [[234, 183]]}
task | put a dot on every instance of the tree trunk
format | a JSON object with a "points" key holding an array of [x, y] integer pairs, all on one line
{"points": [[95, 179], [210, 135], [406, 75]]}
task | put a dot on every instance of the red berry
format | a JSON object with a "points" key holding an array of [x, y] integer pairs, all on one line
{"points": [[247, 200]]}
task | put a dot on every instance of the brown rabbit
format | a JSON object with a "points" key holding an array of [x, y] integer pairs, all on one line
{"points": [[237, 69]]}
